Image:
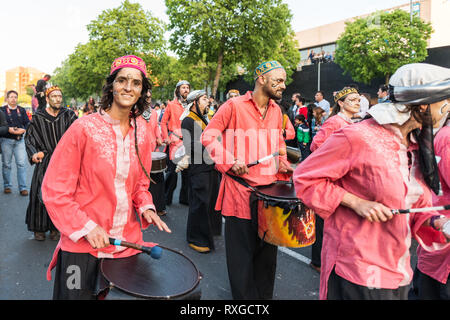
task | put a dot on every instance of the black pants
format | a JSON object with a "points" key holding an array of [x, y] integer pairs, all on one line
{"points": [[171, 184], [341, 289], [203, 221], [251, 262], [157, 191], [316, 248], [75, 276], [427, 288]]}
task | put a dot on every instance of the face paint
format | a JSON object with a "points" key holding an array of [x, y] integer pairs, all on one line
{"points": [[443, 119]]}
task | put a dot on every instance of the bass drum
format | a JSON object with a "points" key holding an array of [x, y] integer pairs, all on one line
{"points": [[139, 277]]}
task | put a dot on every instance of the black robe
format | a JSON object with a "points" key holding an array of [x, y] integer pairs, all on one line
{"points": [[204, 222], [43, 135]]}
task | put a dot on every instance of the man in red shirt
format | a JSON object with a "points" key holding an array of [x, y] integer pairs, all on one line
{"points": [[171, 134], [243, 130]]}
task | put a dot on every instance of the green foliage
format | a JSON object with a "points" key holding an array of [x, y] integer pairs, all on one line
{"points": [[377, 46], [223, 34], [125, 30]]}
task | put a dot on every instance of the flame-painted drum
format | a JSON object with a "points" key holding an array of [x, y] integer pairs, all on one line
{"points": [[159, 162], [283, 220], [140, 277]]}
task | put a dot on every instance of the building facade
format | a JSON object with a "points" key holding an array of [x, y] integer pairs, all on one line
{"points": [[324, 38], [20, 78]]}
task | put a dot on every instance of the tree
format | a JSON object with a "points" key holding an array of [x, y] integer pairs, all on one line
{"points": [[377, 46], [227, 33], [125, 30]]}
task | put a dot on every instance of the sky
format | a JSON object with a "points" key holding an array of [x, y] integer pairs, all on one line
{"points": [[41, 34]]}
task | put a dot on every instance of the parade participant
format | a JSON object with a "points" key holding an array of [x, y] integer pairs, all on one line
{"points": [[347, 105], [363, 172], [203, 221], [156, 187], [171, 134], [45, 130], [97, 180], [245, 129], [233, 93], [13, 144], [432, 272], [41, 89]]}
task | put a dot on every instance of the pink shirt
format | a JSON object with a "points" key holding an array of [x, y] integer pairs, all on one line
{"points": [[171, 121], [239, 131], [369, 161], [437, 264], [94, 178], [328, 128]]}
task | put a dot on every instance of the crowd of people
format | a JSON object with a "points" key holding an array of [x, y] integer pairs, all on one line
{"points": [[360, 163]]}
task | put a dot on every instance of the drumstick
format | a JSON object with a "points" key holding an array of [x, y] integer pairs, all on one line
{"points": [[154, 252], [404, 211], [263, 159]]}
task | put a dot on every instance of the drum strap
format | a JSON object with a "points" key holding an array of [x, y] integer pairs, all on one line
{"points": [[241, 181]]}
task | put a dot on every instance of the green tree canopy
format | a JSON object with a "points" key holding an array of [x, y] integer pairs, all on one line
{"points": [[227, 33], [121, 31], [375, 47]]}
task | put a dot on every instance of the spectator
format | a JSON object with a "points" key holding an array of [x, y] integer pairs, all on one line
{"points": [[383, 94], [303, 135], [321, 102], [41, 88], [13, 144]]}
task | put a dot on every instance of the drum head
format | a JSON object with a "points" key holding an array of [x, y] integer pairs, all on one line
{"points": [[279, 190], [172, 276], [158, 155]]}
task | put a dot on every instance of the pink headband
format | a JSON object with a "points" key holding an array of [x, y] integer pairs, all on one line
{"points": [[129, 62]]}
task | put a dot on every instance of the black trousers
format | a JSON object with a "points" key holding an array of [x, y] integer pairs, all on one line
{"points": [[251, 262], [75, 276], [157, 191], [427, 288], [171, 184], [203, 221], [341, 289], [316, 248]]}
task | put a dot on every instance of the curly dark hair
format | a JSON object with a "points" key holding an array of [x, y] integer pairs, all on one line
{"points": [[108, 97]]}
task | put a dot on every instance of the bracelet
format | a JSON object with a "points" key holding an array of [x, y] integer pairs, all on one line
{"points": [[434, 218]]}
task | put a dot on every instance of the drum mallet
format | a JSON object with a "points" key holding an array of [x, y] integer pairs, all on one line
{"points": [[404, 211], [154, 252], [263, 159]]}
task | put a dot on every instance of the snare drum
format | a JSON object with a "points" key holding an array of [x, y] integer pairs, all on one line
{"points": [[173, 277], [283, 220], [159, 162]]}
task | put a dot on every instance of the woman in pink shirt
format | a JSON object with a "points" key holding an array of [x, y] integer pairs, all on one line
{"points": [[431, 277], [94, 182], [347, 105], [362, 173]]}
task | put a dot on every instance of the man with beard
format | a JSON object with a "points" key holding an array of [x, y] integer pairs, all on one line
{"points": [[46, 129], [171, 134], [246, 129]]}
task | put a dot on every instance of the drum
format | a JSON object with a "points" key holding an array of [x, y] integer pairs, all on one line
{"points": [[159, 162], [293, 154], [283, 220], [172, 277]]}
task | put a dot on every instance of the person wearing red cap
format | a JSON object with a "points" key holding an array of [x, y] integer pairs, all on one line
{"points": [[93, 194]]}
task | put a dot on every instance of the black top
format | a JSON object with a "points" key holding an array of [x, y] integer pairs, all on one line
{"points": [[199, 158], [15, 118], [3, 125]]}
